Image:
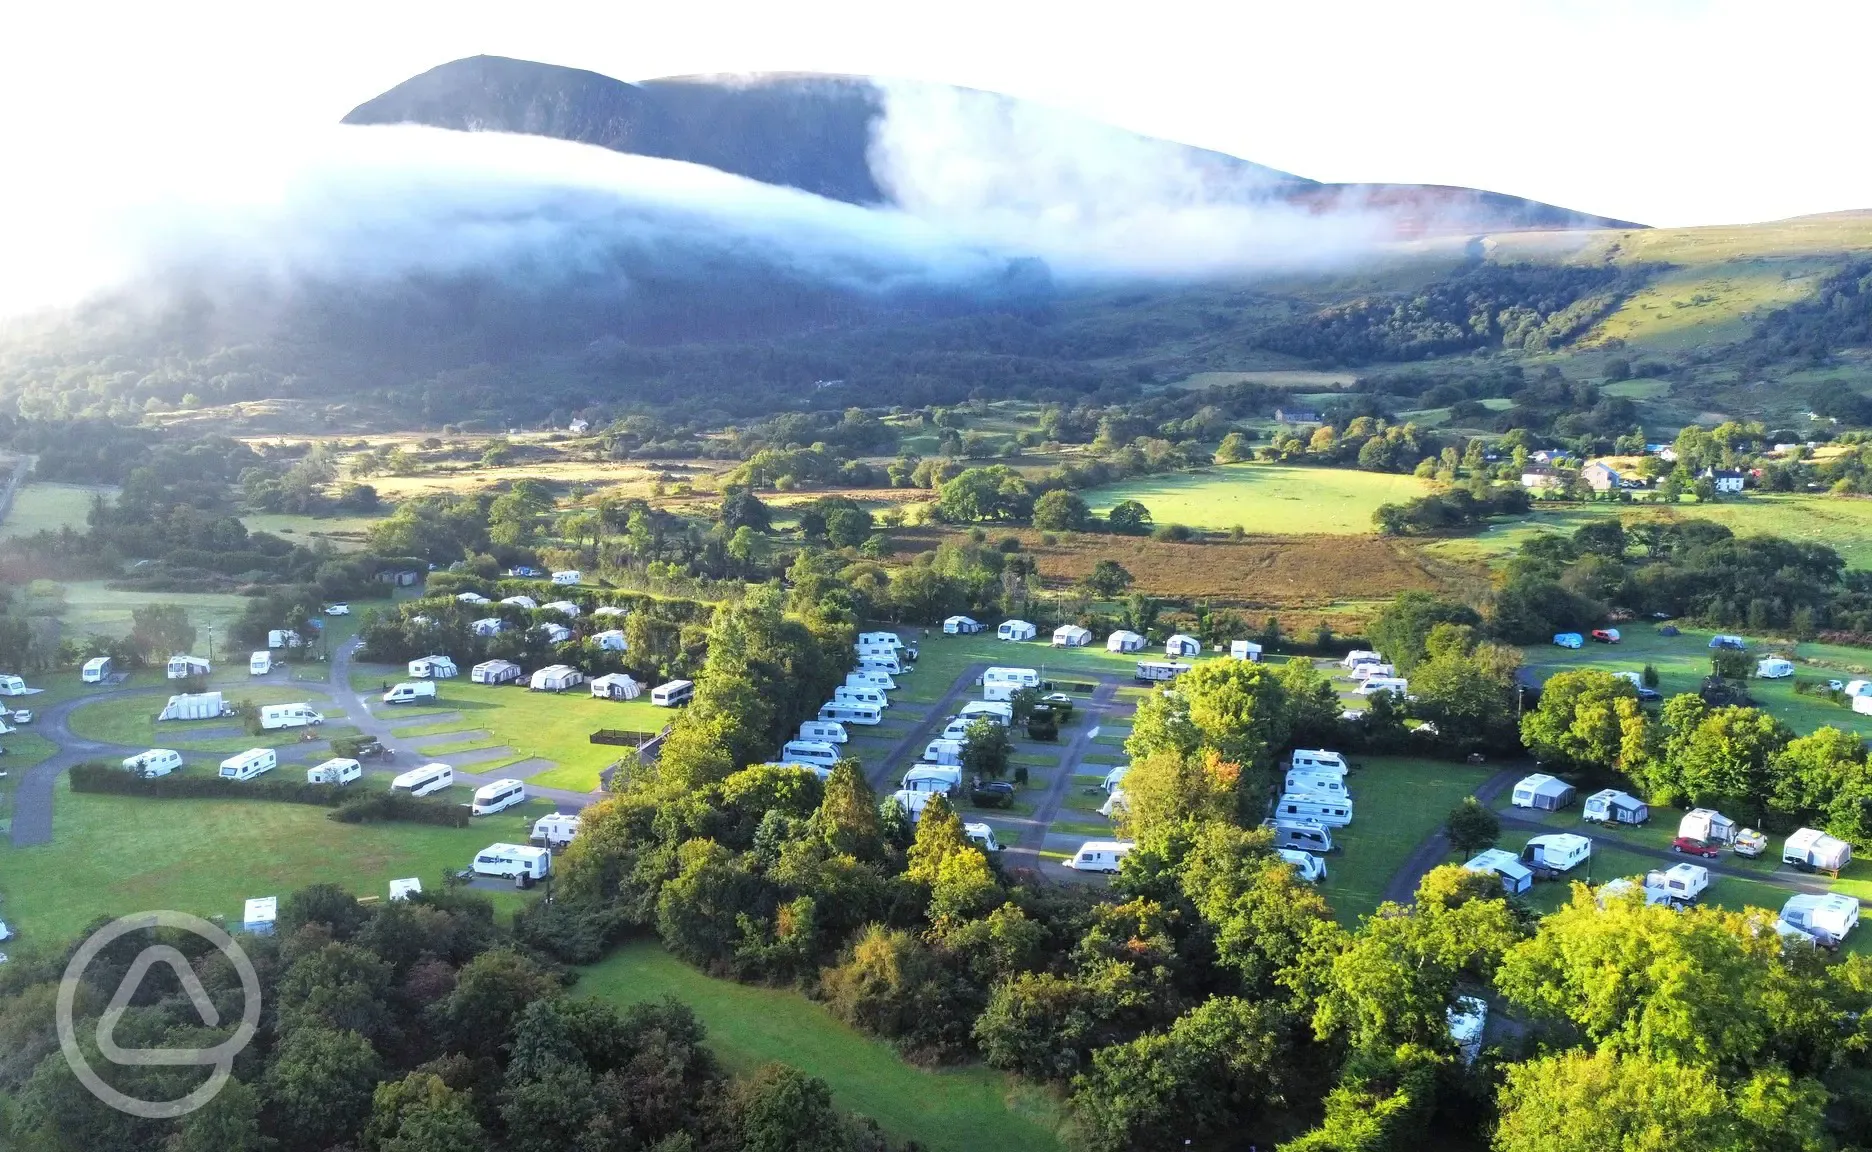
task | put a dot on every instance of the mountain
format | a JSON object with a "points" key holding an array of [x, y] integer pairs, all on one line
{"points": [[833, 136]]}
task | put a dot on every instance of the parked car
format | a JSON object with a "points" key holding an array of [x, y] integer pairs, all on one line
{"points": [[1685, 845], [1836, 685], [992, 794], [1059, 702], [338, 609], [1649, 695], [1749, 842], [23, 716]]}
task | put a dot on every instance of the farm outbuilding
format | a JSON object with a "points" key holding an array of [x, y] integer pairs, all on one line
{"points": [[495, 672], [182, 667], [961, 626], [1071, 636], [433, 668], [557, 678], [1611, 806], [610, 640], [1245, 650], [1016, 630], [1123, 641], [1182, 645], [1542, 792], [615, 686]]}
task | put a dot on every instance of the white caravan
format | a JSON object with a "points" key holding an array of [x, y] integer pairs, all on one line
{"points": [[1318, 761], [259, 664], [944, 752], [496, 797], [1309, 867], [885, 664], [1307, 835], [1333, 812], [1560, 851], [513, 860], [425, 780], [338, 770], [155, 762], [249, 764], [810, 752], [556, 829], [872, 696], [933, 778], [849, 712], [865, 678], [824, 731], [97, 670], [1328, 784], [672, 695], [1100, 855]]}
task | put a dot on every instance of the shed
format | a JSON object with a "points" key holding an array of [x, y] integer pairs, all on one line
{"points": [[1774, 668], [1182, 645], [433, 668], [1071, 636], [487, 626], [961, 626], [1123, 641], [615, 686], [1245, 650], [1707, 825], [1016, 630], [563, 607], [1543, 792], [495, 672], [1611, 806], [554, 633], [526, 602], [182, 667], [259, 915], [557, 678], [1515, 876], [611, 640]]}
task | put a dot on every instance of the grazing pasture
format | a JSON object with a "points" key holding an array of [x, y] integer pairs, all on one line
{"points": [[1265, 499]]}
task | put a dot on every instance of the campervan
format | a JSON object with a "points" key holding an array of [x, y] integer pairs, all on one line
{"points": [[249, 764], [1559, 851], [850, 712], [1100, 855], [931, 778], [982, 836], [672, 695], [824, 731], [1000, 711], [1332, 811], [155, 762], [496, 797], [872, 696], [943, 750], [1317, 761], [1308, 866], [277, 716], [521, 860], [556, 829], [260, 663], [1328, 784], [1307, 835], [425, 780], [886, 664], [410, 691], [335, 771], [810, 752]]}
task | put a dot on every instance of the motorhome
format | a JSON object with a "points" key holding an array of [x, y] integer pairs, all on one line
{"points": [[276, 716], [824, 731], [1557, 852], [410, 691], [886, 664], [497, 797], [982, 836], [1308, 835], [1308, 866], [249, 764], [810, 752], [556, 829], [674, 694], [97, 670], [867, 695], [880, 639], [848, 712], [1334, 812], [943, 751], [1318, 761], [1329, 784], [259, 664], [1100, 855], [425, 780], [155, 762], [932, 778], [338, 770], [519, 860]]}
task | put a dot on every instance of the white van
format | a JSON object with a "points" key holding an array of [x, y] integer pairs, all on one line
{"points": [[672, 695], [260, 663], [556, 829], [1310, 867], [492, 798], [1100, 855], [933, 778], [1306, 835], [868, 678], [1328, 784], [155, 762], [810, 752], [999, 711], [249, 764], [338, 770], [410, 691], [422, 781], [276, 716], [866, 695], [513, 860], [1317, 760], [824, 731], [849, 712], [886, 664], [1333, 812], [943, 751]]}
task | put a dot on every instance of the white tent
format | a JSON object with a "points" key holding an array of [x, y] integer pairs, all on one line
{"points": [[1071, 636], [961, 626], [557, 678], [616, 686], [1244, 650], [1123, 641], [1182, 645], [1016, 630]]}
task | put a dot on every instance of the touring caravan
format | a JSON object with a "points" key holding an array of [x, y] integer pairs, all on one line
{"points": [[495, 672], [674, 694], [556, 829], [1812, 850], [1306, 835], [566, 578], [1396, 685], [1515, 876], [249, 764], [564, 607], [1016, 630], [520, 860], [851, 712], [864, 677], [155, 762], [1363, 672], [810, 752], [194, 706], [1558, 852], [1328, 784], [886, 664], [1332, 811], [284, 638], [557, 678], [525, 603], [276, 716], [1774, 668], [885, 639], [1000, 711], [425, 780], [1115, 777], [1124, 640], [824, 731], [181, 667], [982, 836], [1308, 866], [1707, 825], [943, 751], [1100, 855], [872, 696], [339, 770], [1611, 806], [13, 686], [932, 778], [410, 691], [432, 668], [1182, 645], [1071, 636], [1317, 761], [1824, 917], [1244, 650], [1542, 792], [1158, 671], [497, 797], [1678, 884], [1360, 656], [259, 664], [1019, 677], [961, 626], [97, 670]]}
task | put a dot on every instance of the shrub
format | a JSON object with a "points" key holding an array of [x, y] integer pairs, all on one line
{"points": [[108, 778], [383, 807]]}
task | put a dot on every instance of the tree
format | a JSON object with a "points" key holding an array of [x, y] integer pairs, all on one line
{"points": [[1165, 790], [1108, 580], [1235, 448], [490, 993], [159, 631], [1129, 518], [1469, 699], [1381, 1103], [996, 492], [849, 527], [781, 1109], [1825, 774], [320, 1085], [1238, 708], [848, 813], [1727, 760], [740, 508], [1061, 511], [1472, 827], [1403, 627], [230, 1122], [420, 1113], [1581, 718], [986, 749]]}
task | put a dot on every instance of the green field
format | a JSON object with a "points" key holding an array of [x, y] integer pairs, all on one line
{"points": [[1397, 802], [556, 726], [91, 607], [43, 507], [1272, 499], [112, 855], [972, 1109], [131, 721], [346, 533]]}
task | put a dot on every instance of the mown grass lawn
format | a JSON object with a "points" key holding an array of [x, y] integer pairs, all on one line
{"points": [[112, 855], [1277, 499], [1397, 802], [131, 721], [969, 1109], [43, 506]]}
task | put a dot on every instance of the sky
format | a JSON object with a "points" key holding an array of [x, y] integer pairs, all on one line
{"points": [[1668, 112]]}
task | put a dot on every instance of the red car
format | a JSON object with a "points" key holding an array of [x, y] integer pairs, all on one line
{"points": [[1685, 844]]}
